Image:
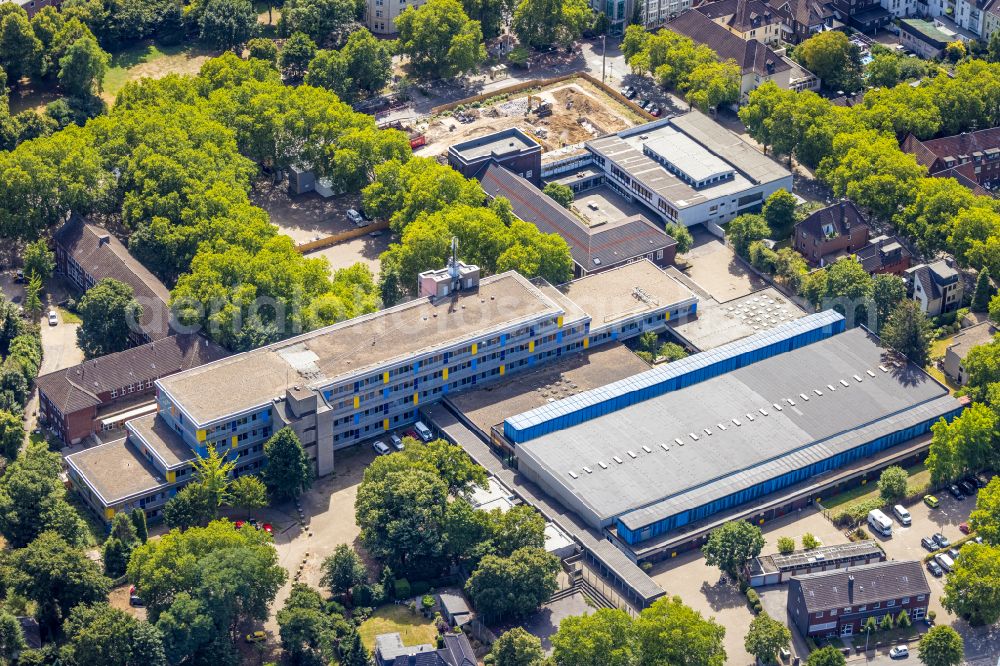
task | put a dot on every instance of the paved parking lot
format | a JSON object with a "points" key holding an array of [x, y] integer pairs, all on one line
{"points": [[717, 269]]}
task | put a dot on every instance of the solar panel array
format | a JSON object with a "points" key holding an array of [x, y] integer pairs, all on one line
{"points": [[684, 372]]}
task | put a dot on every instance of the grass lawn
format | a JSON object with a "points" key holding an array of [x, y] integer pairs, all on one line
{"points": [[414, 628], [890, 637], [68, 317], [920, 476], [152, 60]]}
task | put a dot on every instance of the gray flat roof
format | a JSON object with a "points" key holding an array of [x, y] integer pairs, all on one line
{"points": [[498, 143], [659, 483], [115, 470], [610, 296], [705, 140], [720, 323], [242, 382], [162, 441], [687, 155]]}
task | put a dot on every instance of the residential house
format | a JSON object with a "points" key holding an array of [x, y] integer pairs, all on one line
{"points": [[884, 254], [838, 603], [967, 156], [968, 16], [991, 21], [757, 61], [807, 17], [748, 19], [864, 15], [593, 248], [86, 254], [961, 344], [32, 7], [381, 15], [654, 13], [925, 38], [456, 650], [937, 287], [101, 394], [830, 233]]}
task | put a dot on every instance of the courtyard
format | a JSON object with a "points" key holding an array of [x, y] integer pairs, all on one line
{"points": [[716, 268]]}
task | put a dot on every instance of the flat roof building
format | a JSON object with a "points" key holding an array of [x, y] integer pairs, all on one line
{"points": [[650, 465], [779, 568], [688, 169], [510, 148], [343, 384]]}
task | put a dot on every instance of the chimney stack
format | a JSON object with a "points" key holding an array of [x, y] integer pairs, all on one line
{"points": [[103, 239], [850, 589]]}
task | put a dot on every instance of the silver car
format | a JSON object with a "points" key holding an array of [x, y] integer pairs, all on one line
{"points": [[381, 448]]}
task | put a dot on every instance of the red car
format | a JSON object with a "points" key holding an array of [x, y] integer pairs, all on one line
{"points": [[239, 523], [964, 528], [412, 434], [267, 528]]}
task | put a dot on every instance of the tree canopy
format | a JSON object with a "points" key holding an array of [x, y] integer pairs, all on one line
{"points": [[440, 39], [730, 547]]}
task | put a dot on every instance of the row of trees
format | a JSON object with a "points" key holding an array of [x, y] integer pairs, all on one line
{"points": [[855, 151], [409, 523], [675, 61], [429, 203]]}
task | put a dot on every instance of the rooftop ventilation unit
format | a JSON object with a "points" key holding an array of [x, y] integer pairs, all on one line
{"points": [[777, 406], [617, 459], [720, 426], [870, 373], [588, 470], [574, 475], [843, 382], [737, 422], [664, 447], [646, 449], [857, 378], [632, 454], [603, 464]]}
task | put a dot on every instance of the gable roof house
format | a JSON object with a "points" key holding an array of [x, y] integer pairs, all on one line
{"points": [[831, 232], [86, 254], [100, 394], [937, 287], [748, 19], [593, 248], [969, 156], [884, 254], [961, 345], [456, 651], [757, 61], [807, 17], [839, 602]]}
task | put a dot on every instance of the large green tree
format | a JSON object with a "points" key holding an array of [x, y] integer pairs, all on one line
{"points": [[941, 646], [440, 39], [517, 647], [227, 24], [33, 499], [985, 518], [967, 443], [306, 630], [504, 588], [604, 638], [826, 656], [744, 230], [82, 69], [343, 569], [539, 23], [833, 58], [887, 292], [971, 589], [11, 433], [671, 633], [288, 473], [766, 638], [12, 641], [20, 49], [892, 483], [57, 577], [908, 332], [100, 634], [320, 19], [109, 311], [730, 547]]}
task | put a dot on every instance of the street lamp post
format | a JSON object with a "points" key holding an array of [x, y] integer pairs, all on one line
{"points": [[604, 54], [868, 633]]}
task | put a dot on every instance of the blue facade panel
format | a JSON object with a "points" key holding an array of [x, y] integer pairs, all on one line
{"points": [[676, 521]]}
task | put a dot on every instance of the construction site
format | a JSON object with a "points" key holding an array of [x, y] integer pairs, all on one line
{"points": [[558, 115]]}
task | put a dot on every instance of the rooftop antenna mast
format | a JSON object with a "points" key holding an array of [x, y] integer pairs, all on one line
{"points": [[453, 272]]}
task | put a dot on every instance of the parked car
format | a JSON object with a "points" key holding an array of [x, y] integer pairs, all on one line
{"points": [[953, 553], [628, 92], [256, 637], [423, 431], [968, 487], [411, 433], [133, 597], [956, 492], [982, 479], [53, 318], [945, 561], [396, 442], [19, 276], [929, 543], [931, 501], [376, 233], [941, 540], [902, 515], [964, 528], [899, 652], [267, 527], [239, 524], [935, 569], [356, 218], [380, 448], [655, 112]]}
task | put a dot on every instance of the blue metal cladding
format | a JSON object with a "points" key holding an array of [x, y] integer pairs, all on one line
{"points": [[771, 485], [671, 377]]}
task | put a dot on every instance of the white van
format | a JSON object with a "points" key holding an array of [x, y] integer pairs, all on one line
{"points": [[902, 514], [880, 522], [423, 431]]}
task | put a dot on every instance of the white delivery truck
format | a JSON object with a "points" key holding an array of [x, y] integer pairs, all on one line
{"points": [[880, 522]]}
